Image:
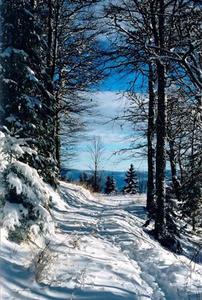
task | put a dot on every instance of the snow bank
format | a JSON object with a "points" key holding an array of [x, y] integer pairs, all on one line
{"points": [[24, 196], [99, 252]]}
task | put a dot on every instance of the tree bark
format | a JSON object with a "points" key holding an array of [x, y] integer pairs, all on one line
{"points": [[50, 34], [57, 141], [160, 131], [53, 20], [150, 136], [55, 39]]}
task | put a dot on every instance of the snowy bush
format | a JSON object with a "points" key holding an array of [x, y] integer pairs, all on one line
{"points": [[25, 197]]}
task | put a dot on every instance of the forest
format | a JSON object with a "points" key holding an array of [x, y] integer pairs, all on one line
{"points": [[53, 55]]}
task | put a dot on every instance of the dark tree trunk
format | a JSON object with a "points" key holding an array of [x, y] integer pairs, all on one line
{"points": [[53, 22], [192, 171], [160, 152], [53, 18], [150, 136], [57, 142], [55, 39], [50, 34], [95, 183], [160, 131]]}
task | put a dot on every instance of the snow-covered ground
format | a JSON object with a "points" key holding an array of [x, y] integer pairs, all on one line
{"points": [[99, 252]]}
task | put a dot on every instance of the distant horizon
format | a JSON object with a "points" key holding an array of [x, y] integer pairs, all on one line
{"points": [[74, 175], [101, 170]]}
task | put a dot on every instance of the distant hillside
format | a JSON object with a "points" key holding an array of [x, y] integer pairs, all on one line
{"points": [[73, 175]]}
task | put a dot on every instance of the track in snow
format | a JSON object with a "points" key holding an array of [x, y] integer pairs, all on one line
{"points": [[112, 254], [100, 252]]}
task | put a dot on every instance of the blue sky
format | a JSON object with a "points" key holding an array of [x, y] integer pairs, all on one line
{"points": [[109, 103]]}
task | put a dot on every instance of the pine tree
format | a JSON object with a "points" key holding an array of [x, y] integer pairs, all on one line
{"points": [[131, 180], [110, 185]]}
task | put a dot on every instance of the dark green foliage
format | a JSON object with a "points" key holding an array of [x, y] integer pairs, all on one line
{"points": [[192, 195], [27, 102], [131, 180], [20, 233], [110, 185]]}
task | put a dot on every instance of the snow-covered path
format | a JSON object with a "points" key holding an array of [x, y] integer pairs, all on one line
{"points": [[100, 252]]}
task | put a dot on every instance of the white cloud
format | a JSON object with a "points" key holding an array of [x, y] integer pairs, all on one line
{"points": [[115, 136]]}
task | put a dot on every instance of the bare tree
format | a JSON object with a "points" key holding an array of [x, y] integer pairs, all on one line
{"points": [[165, 35], [96, 151], [73, 62]]}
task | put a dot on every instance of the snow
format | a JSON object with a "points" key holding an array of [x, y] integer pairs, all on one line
{"points": [[12, 213], [33, 192], [31, 75], [99, 251]]}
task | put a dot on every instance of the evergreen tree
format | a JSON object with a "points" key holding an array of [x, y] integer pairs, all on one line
{"points": [[110, 185], [131, 180], [27, 103], [27, 117]]}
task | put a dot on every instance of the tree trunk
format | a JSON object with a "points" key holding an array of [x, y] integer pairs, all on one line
{"points": [[160, 152], [50, 34], [150, 136], [160, 131], [95, 188], [55, 39], [192, 172], [57, 141], [53, 19]]}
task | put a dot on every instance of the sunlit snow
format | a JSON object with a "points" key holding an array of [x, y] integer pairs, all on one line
{"points": [[99, 252]]}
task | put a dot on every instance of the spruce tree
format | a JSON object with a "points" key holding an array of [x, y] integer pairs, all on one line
{"points": [[27, 103], [110, 185], [27, 117], [131, 180]]}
